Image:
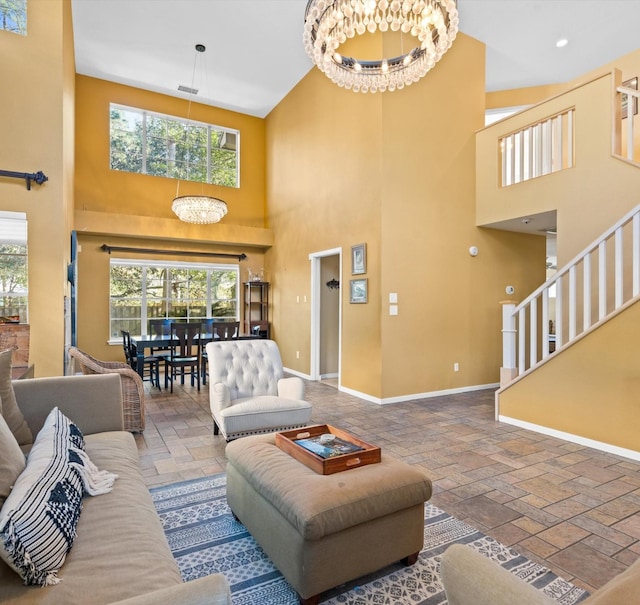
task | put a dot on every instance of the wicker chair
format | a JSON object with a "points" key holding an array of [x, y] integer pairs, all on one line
{"points": [[132, 388]]}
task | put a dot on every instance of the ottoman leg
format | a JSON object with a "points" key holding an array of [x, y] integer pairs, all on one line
{"points": [[410, 559], [314, 600]]}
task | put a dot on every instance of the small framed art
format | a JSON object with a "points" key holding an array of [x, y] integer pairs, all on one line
{"points": [[359, 259], [358, 291]]}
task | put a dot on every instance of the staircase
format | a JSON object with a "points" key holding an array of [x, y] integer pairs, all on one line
{"points": [[597, 284]]}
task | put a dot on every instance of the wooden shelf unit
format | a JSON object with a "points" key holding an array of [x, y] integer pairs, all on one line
{"points": [[256, 308]]}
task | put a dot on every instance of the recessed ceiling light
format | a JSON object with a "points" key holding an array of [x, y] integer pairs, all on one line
{"points": [[562, 42]]}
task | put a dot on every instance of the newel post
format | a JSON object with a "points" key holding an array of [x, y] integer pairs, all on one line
{"points": [[509, 370]]}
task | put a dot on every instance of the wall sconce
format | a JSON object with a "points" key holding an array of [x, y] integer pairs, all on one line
{"points": [[333, 284]]}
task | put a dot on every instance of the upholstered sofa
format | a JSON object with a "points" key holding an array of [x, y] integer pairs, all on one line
{"points": [[120, 554], [470, 578], [248, 392]]}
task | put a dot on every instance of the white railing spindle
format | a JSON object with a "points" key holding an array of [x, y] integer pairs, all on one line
{"points": [[586, 291], [533, 332], [572, 302], [602, 279], [618, 260], [522, 335]]}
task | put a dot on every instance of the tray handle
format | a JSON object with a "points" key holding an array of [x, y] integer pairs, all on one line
{"points": [[353, 462]]}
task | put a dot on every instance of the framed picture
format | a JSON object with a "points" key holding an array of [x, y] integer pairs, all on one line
{"points": [[358, 291], [358, 259], [631, 83]]}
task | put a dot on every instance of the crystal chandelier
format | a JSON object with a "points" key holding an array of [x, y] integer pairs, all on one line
{"points": [[430, 25], [198, 209]]}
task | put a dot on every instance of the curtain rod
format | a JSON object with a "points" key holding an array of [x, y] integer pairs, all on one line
{"points": [[109, 249], [39, 177]]}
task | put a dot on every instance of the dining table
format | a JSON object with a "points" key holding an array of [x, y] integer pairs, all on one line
{"points": [[163, 341]]}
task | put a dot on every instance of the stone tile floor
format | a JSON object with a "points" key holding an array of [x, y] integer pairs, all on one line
{"points": [[574, 509]]}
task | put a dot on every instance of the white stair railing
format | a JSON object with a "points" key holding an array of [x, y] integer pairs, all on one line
{"points": [[595, 284]]}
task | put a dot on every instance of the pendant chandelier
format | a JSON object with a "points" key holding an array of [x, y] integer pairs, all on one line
{"points": [[430, 26], [198, 209]]}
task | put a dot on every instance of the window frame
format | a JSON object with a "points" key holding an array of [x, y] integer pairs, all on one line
{"points": [[144, 142], [16, 236], [145, 264]]}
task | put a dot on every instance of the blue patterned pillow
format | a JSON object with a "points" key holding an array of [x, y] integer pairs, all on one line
{"points": [[39, 518]]}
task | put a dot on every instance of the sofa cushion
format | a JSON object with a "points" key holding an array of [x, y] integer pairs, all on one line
{"points": [[12, 460], [8, 405], [38, 520], [121, 550]]}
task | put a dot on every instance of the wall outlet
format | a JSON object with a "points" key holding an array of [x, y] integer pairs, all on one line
{"points": [[456, 367], [297, 354]]}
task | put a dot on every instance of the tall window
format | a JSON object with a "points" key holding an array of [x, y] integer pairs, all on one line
{"points": [[13, 16], [160, 145], [13, 267], [144, 290]]}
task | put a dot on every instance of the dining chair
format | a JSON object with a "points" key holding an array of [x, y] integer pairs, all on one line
{"points": [[185, 353], [160, 327], [151, 363], [216, 330]]}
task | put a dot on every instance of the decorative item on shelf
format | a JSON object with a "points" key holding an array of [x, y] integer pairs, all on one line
{"points": [[198, 209], [333, 284], [430, 27], [256, 275]]}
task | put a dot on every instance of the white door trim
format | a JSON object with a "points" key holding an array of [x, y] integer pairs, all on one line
{"points": [[315, 257]]}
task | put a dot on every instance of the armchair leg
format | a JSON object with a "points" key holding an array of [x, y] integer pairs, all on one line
{"points": [[216, 429]]}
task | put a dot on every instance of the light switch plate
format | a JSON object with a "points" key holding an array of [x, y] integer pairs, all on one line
{"points": [[393, 309]]}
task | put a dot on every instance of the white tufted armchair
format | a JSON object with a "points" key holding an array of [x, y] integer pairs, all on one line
{"points": [[247, 391]]}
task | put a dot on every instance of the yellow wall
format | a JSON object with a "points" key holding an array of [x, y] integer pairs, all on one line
{"points": [[604, 407], [397, 172], [100, 189], [589, 198], [93, 283], [36, 121], [123, 209]]}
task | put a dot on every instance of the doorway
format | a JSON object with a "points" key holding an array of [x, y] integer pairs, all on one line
{"points": [[326, 315]]}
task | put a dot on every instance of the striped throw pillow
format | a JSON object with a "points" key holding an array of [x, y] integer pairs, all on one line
{"points": [[39, 518]]}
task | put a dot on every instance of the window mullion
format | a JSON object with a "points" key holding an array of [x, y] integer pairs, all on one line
{"points": [[144, 142]]}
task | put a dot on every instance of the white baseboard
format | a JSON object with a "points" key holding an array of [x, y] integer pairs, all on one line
{"points": [[427, 395], [592, 443], [327, 376], [295, 373]]}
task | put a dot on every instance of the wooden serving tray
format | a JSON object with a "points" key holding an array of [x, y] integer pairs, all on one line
{"points": [[365, 454]]}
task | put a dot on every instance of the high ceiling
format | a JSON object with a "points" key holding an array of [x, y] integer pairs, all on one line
{"points": [[255, 54]]}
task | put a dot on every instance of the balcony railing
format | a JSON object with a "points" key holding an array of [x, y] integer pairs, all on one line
{"points": [[538, 149]]}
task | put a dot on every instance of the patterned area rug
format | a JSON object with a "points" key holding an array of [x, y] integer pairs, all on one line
{"points": [[205, 538]]}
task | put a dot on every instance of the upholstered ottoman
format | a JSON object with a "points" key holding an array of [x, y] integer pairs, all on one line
{"points": [[323, 530]]}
